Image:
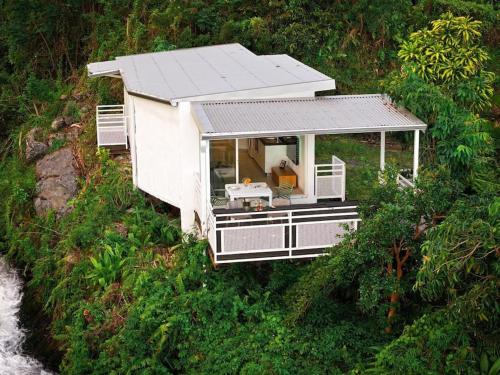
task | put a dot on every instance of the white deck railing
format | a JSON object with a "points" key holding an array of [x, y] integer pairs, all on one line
{"points": [[111, 125], [301, 231], [330, 179], [404, 182]]}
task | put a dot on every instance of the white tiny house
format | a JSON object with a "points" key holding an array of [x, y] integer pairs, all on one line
{"points": [[228, 137]]}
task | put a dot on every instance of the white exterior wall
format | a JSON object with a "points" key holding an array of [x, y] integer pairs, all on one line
{"points": [[189, 148], [165, 152], [129, 112], [158, 150]]}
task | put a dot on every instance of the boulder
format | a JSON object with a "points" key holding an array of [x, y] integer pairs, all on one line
{"points": [[73, 132], [58, 123], [69, 134], [35, 149], [62, 122], [57, 183], [68, 120], [55, 137]]}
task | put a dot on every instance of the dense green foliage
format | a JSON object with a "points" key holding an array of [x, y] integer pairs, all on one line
{"points": [[448, 54], [414, 291]]}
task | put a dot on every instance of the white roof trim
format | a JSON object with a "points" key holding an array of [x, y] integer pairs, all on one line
{"points": [[106, 68]]}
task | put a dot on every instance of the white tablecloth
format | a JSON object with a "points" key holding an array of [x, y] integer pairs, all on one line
{"points": [[253, 190]]}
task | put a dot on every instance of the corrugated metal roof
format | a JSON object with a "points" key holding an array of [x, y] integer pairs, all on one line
{"points": [[194, 72], [319, 115]]}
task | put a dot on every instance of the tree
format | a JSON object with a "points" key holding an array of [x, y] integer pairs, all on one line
{"points": [[381, 258], [456, 137], [448, 54], [460, 262], [460, 274]]}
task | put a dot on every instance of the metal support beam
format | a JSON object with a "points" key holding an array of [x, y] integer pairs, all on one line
{"points": [[382, 151], [415, 153]]}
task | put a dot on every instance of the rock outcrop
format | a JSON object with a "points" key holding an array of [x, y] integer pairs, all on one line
{"points": [[57, 182], [61, 122], [35, 149], [68, 135]]}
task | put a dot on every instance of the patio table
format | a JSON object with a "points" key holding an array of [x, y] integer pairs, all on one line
{"points": [[252, 190]]}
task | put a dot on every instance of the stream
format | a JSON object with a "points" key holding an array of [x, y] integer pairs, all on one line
{"points": [[13, 359]]}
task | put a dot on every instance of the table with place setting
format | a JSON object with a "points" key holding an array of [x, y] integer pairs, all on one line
{"points": [[251, 190]]}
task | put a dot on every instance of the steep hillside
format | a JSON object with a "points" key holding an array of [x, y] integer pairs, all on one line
{"points": [[124, 291]]}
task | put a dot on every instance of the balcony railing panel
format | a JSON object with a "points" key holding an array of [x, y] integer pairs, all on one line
{"points": [[321, 233], [244, 239], [111, 125], [330, 179]]}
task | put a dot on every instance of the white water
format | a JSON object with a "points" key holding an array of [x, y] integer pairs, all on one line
{"points": [[12, 359]]}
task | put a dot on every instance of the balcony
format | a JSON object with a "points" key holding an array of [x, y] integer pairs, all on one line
{"points": [[286, 232]]}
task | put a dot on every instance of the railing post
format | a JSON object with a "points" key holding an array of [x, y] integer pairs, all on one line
{"points": [[343, 182], [290, 233], [315, 180], [382, 151], [415, 153], [97, 126]]}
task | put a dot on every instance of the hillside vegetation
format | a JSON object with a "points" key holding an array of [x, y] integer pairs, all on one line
{"points": [[123, 291]]}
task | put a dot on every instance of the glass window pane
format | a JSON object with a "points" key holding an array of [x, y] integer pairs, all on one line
{"points": [[222, 165]]}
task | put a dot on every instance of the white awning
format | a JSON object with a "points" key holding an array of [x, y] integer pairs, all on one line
{"points": [[293, 116]]}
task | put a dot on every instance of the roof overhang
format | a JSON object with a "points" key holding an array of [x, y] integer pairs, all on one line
{"points": [[346, 114], [208, 136], [102, 69]]}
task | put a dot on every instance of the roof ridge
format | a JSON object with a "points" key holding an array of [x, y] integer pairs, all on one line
{"points": [[186, 49], [290, 99]]}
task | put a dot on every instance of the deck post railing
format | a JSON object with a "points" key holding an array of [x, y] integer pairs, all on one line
{"points": [[404, 182], [329, 179]]}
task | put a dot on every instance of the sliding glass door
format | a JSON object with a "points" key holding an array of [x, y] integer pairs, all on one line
{"points": [[222, 165]]}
